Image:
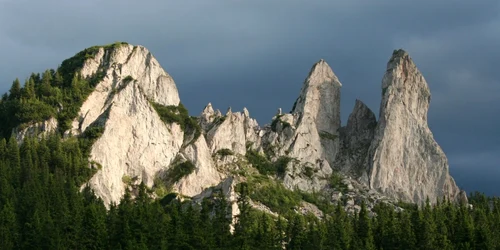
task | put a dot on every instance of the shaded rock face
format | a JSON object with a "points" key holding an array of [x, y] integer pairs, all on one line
{"points": [[405, 160], [355, 140]]}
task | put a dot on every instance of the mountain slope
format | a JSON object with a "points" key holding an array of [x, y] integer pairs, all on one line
{"points": [[142, 133]]}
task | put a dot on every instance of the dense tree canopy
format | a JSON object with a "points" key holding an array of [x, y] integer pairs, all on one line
{"points": [[42, 207]]}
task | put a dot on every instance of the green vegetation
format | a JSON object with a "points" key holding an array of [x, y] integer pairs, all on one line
{"points": [[272, 194], [178, 171], [127, 180], [336, 183], [87, 138], [128, 78], [384, 90], [308, 171], [326, 135], [178, 114], [224, 152], [277, 120], [266, 167], [42, 207], [318, 199], [55, 93]]}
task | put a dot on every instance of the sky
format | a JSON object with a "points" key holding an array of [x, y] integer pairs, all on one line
{"points": [[257, 53]]}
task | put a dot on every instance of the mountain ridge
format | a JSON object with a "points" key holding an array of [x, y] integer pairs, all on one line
{"points": [[137, 144]]}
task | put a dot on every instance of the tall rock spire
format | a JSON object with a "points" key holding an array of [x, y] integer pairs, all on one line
{"points": [[405, 160], [318, 112]]}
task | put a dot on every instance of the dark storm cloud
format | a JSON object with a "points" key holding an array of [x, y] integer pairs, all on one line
{"points": [[257, 53]]}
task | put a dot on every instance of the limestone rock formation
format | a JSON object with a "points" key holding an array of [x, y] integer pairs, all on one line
{"points": [[318, 116], [394, 158], [205, 175], [135, 143], [310, 133], [123, 66], [355, 139], [406, 162], [39, 129], [234, 131]]}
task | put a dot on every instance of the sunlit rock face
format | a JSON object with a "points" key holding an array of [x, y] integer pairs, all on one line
{"points": [[405, 160]]}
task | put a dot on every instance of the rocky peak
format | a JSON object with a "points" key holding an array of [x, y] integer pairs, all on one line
{"points": [[208, 110], [233, 131], [135, 142], [361, 120], [122, 66], [320, 78], [404, 80], [207, 117], [396, 156], [355, 139], [318, 111], [405, 160]]}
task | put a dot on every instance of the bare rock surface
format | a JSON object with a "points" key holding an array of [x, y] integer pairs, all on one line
{"points": [[366, 161], [233, 131], [406, 162], [355, 140], [205, 175]]}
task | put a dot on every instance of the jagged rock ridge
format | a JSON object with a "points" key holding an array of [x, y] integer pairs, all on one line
{"points": [[396, 156]]}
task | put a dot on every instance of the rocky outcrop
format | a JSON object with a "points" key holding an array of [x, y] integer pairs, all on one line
{"points": [[135, 142], [406, 162], [39, 129], [318, 116], [234, 131], [310, 133], [122, 66], [394, 158], [205, 175], [355, 140]]}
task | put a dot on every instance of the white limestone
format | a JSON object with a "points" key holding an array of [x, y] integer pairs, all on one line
{"points": [[406, 162]]}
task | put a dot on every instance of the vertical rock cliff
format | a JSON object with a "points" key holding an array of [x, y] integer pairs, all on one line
{"points": [[355, 140], [406, 162], [309, 133], [396, 155], [318, 116]]}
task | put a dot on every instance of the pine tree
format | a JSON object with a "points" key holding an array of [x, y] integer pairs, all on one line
{"points": [[15, 90], [364, 229], [428, 228], [14, 160], [9, 232], [242, 227]]}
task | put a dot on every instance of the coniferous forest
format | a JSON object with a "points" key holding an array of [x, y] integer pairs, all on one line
{"points": [[42, 207], [44, 203]]}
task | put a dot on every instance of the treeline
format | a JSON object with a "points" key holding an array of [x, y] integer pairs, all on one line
{"points": [[54, 93], [42, 207]]}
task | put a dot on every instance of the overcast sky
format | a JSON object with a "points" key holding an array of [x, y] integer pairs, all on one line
{"points": [[257, 53]]}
